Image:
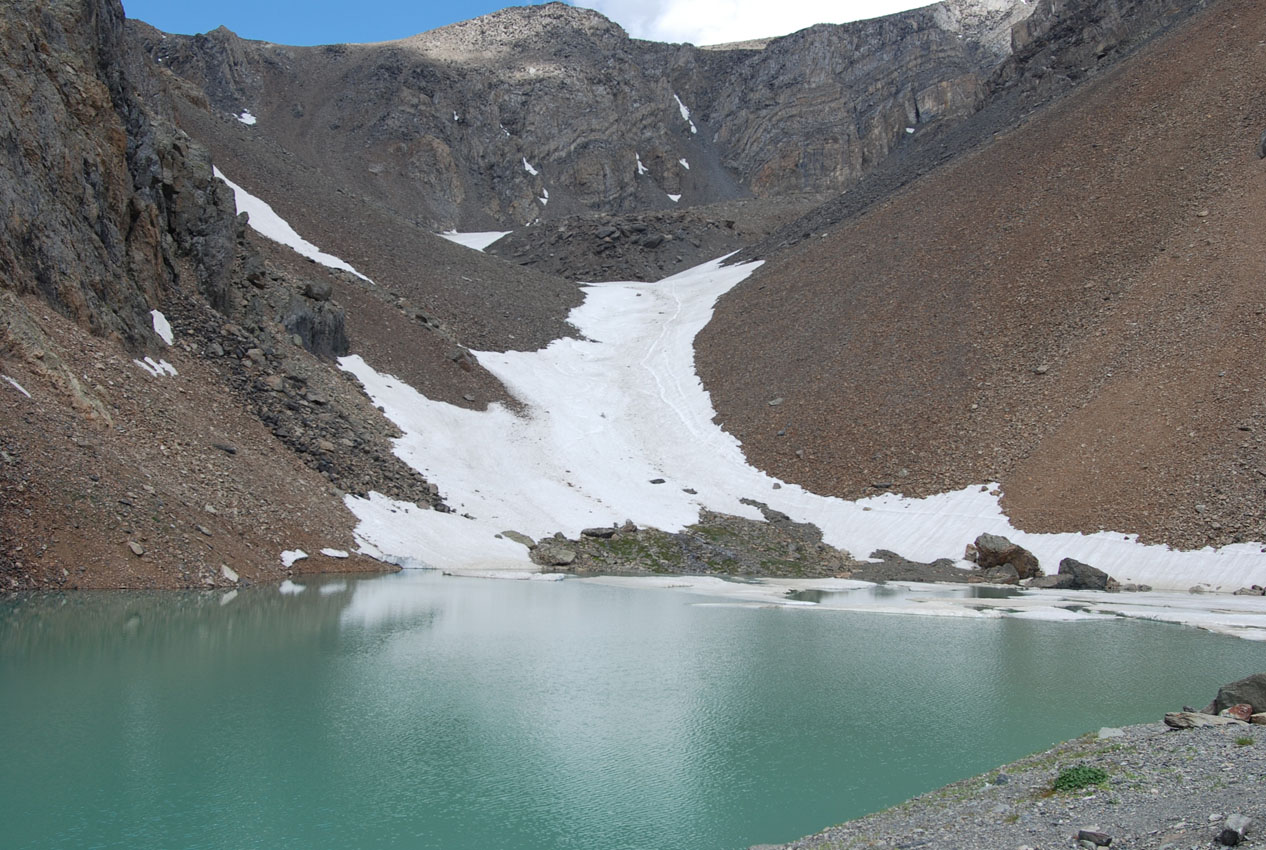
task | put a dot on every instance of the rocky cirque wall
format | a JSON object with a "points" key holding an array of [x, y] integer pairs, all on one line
{"points": [[547, 111]]}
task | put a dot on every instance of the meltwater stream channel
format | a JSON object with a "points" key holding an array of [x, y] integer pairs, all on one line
{"points": [[424, 711]]}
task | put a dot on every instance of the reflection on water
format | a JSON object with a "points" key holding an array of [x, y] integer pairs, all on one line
{"points": [[421, 711], [893, 592]]}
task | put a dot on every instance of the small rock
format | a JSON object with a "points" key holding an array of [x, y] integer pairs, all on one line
{"points": [[657, 481], [225, 447], [1041, 370], [775, 402], [202, 529], [325, 446], [602, 533], [228, 573], [137, 549], [1096, 838], [255, 355], [1111, 732]]}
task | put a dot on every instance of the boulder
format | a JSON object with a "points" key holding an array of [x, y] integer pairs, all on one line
{"points": [[602, 533], [1085, 577], [1055, 582], [1234, 829], [993, 550], [551, 554], [1005, 574], [1250, 689], [1196, 719]]}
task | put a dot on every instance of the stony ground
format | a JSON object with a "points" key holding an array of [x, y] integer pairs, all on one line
{"points": [[1164, 789]]}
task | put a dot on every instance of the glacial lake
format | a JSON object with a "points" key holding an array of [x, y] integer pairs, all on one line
{"points": [[424, 711]]}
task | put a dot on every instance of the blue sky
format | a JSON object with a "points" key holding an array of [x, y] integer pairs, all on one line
{"points": [[332, 21]]}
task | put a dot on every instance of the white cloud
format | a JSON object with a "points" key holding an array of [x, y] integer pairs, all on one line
{"points": [[721, 21]]}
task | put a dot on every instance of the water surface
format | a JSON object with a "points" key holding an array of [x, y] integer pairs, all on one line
{"points": [[422, 711]]}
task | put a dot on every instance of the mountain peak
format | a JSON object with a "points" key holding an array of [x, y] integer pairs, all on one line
{"points": [[547, 28]]}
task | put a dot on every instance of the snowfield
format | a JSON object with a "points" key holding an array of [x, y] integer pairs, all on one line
{"points": [[617, 426], [609, 414]]}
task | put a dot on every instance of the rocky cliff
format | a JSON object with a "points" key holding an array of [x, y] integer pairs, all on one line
{"points": [[548, 111]]}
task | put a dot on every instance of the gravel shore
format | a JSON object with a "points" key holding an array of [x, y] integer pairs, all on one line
{"points": [[1164, 789]]}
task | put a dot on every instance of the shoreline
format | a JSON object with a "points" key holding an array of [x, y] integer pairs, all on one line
{"points": [[1164, 788]]}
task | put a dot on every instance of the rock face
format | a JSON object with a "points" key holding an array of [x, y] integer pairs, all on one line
{"points": [[105, 209], [545, 111]]}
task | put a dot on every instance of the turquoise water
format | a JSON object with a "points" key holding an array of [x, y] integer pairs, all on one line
{"points": [[423, 711]]}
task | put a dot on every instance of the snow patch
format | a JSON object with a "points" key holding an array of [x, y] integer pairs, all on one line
{"points": [[674, 198], [684, 164], [620, 406], [334, 553], [156, 369], [544, 199], [246, 118], [455, 118], [685, 114], [162, 327], [477, 240], [527, 166], [641, 169], [16, 385], [289, 557], [267, 223], [289, 588]]}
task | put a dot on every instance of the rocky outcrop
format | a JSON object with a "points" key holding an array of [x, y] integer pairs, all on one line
{"points": [[105, 209]]}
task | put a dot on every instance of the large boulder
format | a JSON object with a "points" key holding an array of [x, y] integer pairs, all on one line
{"points": [[1085, 577], [1250, 690], [993, 550]]}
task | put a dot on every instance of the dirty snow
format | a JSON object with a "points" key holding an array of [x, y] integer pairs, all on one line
{"points": [[273, 226], [477, 240], [162, 327], [16, 385]]}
